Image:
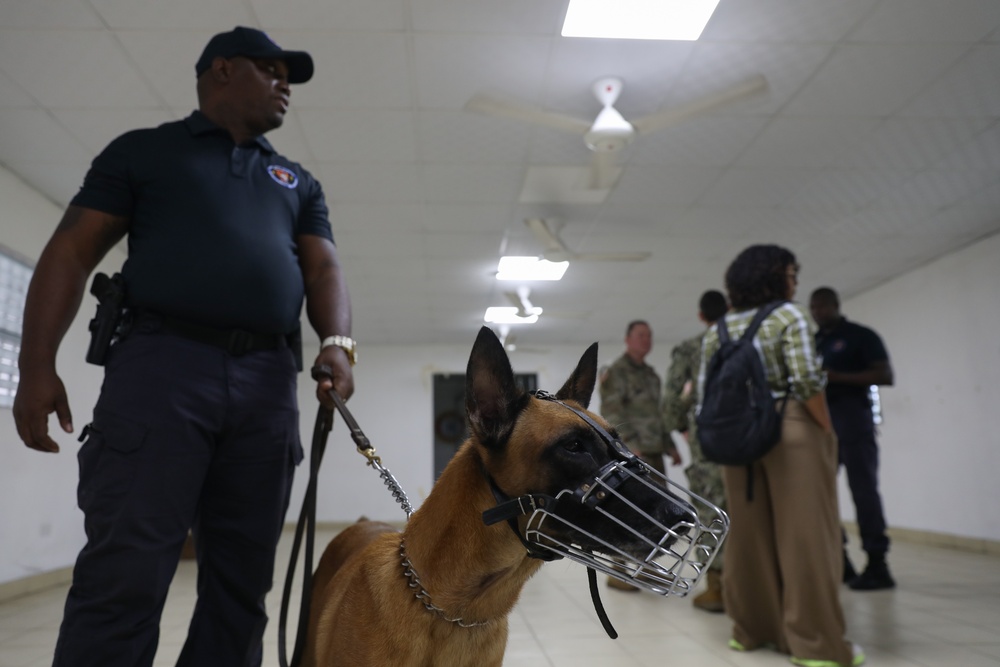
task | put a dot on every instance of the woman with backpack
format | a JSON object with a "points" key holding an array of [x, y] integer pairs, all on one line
{"points": [[783, 564]]}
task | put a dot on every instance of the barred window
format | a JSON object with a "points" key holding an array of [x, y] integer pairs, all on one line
{"points": [[15, 273]]}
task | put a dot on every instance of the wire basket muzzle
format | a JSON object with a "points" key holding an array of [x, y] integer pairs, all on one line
{"points": [[634, 524]]}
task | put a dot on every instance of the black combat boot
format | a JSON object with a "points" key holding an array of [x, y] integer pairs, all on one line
{"points": [[876, 575], [850, 574]]}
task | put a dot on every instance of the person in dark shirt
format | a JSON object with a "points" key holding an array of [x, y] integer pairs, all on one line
{"points": [[855, 358], [196, 426]]}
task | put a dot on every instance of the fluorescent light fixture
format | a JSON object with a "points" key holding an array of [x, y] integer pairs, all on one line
{"points": [[638, 19], [529, 268], [508, 315]]}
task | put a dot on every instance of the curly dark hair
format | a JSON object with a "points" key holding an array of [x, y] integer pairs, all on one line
{"points": [[758, 276], [713, 305]]}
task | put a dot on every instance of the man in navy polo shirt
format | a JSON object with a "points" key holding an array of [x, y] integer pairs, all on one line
{"points": [[855, 359], [196, 426]]}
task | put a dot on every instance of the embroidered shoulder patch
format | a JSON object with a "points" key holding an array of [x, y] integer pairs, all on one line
{"points": [[283, 176]]}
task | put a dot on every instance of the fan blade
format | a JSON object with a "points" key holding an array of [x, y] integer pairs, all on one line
{"points": [[493, 106], [613, 256], [604, 170], [550, 242], [658, 121]]}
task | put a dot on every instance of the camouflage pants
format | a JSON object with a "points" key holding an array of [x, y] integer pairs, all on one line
{"points": [[705, 479]]}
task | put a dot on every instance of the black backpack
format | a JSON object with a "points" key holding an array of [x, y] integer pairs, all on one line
{"points": [[738, 422]]}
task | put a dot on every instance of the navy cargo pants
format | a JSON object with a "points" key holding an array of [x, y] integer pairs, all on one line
{"points": [[184, 436], [858, 453]]}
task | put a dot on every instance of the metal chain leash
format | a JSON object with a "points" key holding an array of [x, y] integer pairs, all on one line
{"points": [[374, 460]]}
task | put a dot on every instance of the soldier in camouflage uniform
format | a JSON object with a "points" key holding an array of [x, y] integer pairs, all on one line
{"points": [[679, 398], [630, 401]]}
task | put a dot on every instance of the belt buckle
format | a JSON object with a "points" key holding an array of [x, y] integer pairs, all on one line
{"points": [[240, 342]]}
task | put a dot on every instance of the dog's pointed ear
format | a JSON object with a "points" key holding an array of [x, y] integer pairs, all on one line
{"points": [[492, 398], [580, 385]]}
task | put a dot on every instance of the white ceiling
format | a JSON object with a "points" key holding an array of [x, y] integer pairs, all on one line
{"points": [[876, 148]]}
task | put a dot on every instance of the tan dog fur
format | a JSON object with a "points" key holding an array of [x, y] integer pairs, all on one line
{"points": [[364, 614]]}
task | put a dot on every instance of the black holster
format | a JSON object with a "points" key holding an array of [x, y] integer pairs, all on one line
{"points": [[107, 326]]}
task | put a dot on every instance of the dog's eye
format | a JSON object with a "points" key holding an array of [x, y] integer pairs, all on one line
{"points": [[573, 446]]}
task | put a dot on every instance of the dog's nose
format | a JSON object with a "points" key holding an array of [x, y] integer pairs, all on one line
{"points": [[676, 513]]}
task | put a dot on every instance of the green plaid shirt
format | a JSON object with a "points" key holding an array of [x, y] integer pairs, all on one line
{"points": [[786, 345]]}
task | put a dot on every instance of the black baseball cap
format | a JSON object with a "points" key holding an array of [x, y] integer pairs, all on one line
{"points": [[253, 43]]}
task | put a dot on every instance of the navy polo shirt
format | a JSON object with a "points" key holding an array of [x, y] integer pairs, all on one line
{"points": [[847, 347], [212, 225]]}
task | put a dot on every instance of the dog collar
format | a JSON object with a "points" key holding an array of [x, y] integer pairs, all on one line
{"points": [[424, 597]]}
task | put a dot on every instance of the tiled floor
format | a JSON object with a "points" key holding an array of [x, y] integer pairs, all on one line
{"points": [[945, 613]]}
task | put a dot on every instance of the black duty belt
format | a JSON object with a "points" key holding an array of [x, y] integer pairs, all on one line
{"points": [[236, 342]]}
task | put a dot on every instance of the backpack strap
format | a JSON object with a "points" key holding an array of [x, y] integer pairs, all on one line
{"points": [[759, 317], [750, 332], [755, 323]]}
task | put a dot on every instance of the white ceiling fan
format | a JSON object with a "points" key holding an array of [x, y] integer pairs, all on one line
{"points": [[610, 133], [556, 251], [520, 300]]}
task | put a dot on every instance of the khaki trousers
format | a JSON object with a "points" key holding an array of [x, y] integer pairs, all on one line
{"points": [[783, 559]]}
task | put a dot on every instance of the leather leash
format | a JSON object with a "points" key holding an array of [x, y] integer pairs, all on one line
{"points": [[307, 516]]}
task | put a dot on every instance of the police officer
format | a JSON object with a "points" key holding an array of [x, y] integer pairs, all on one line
{"points": [[679, 399], [196, 426], [630, 401], [855, 358]]}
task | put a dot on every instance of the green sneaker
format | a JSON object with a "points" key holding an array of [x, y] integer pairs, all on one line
{"points": [[857, 659]]}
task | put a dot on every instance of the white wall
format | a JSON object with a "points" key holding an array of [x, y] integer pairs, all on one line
{"points": [[40, 526], [940, 447], [940, 450]]}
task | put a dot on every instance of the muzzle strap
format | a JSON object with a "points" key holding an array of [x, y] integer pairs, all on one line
{"points": [[508, 509]]}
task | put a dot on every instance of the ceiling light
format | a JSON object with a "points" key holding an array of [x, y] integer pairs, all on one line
{"points": [[530, 268], [508, 315], [638, 19]]}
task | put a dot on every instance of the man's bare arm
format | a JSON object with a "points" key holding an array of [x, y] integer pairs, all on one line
{"points": [[84, 236]]}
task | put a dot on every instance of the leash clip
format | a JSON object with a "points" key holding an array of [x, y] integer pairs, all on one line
{"points": [[369, 453]]}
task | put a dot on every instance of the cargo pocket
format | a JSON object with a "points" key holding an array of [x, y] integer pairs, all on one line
{"points": [[108, 459]]}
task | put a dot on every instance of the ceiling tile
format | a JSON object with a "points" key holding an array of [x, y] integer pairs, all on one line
{"points": [[128, 14], [48, 14], [371, 183], [460, 137], [383, 217], [928, 22], [450, 69], [872, 80], [771, 20], [757, 187], [361, 70], [95, 128], [490, 184], [359, 135], [11, 95], [34, 135], [967, 89], [908, 144], [69, 68], [512, 16], [698, 142], [166, 59], [342, 16], [58, 180], [804, 142]]}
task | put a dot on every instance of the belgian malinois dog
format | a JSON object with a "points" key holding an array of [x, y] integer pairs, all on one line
{"points": [[439, 593]]}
